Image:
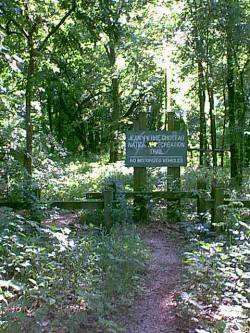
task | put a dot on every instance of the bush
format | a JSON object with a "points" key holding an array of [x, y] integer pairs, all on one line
{"points": [[217, 276], [58, 277]]}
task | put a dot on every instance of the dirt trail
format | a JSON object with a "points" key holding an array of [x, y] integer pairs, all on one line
{"points": [[154, 311]]}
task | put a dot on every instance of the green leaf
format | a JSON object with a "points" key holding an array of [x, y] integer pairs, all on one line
{"points": [[33, 282]]}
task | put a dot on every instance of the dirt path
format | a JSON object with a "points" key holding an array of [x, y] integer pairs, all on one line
{"points": [[155, 310]]}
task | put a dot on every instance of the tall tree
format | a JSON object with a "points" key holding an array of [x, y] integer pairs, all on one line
{"points": [[32, 24], [233, 19]]}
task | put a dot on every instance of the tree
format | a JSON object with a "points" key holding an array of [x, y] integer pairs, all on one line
{"points": [[32, 25], [233, 26]]}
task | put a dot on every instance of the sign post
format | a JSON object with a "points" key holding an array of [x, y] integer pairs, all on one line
{"points": [[174, 173], [140, 178], [146, 148]]}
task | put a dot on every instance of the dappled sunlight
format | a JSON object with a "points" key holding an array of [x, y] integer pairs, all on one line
{"points": [[124, 166], [168, 301], [80, 177]]}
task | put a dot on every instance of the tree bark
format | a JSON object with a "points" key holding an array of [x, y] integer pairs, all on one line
{"points": [[241, 110], [212, 122], [232, 78], [29, 91], [165, 99], [224, 128], [115, 100], [202, 100], [49, 108], [234, 150]]}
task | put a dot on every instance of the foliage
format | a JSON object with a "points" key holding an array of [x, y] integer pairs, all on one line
{"points": [[74, 76], [216, 288], [54, 277]]}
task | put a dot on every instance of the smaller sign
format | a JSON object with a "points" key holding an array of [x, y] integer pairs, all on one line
{"points": [[156, 148]]}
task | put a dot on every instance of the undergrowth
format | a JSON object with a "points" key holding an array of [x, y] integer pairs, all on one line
{"points": [[217, 276], [55, 278]]}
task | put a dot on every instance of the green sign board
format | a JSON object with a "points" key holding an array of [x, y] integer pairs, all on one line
{"points": [[156, 148]]}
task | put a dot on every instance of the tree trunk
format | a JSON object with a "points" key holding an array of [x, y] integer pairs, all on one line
{"points": [[115, 100], [168, 99], [245, 84], [29, 91], [165, 99], [155, 116], [212, 123], [49, 108], [114, 140], [234, 150], [224, 128], [241, 111], [202, 99]]}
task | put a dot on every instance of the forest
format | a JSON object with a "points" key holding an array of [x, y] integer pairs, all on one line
{"points": [[124, 166]]}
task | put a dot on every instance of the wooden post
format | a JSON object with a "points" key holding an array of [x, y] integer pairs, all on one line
{"points": [[217, 195], [140, 179], [173, 172], [108, 197], [201, 201], [37, 193]]}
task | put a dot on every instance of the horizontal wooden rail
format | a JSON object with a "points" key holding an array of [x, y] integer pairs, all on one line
{"points": [[93, 195], [95, 200], [95, 204], [245, 202], [217, 150], [164, 195], [209, 203], [16, 205]]}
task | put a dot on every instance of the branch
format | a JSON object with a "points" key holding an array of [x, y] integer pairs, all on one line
{"points": [[133, 106], [55, 28], [90, 25], [3, 28], [20, 28], [87, 99], [245, 65], [107, 49], [8, 31]]}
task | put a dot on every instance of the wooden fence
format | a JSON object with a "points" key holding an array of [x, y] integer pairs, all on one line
{"points": [[108, 198]]}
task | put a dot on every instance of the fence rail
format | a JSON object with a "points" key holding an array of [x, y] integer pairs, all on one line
{"points": [[107, 199], [94, 204], [169, 195]]}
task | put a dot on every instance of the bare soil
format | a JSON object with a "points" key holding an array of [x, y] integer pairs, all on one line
{"points": [[155, 310], [63, 220]]}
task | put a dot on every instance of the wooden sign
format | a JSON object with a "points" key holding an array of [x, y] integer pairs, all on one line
{"points": [[156, 148]]}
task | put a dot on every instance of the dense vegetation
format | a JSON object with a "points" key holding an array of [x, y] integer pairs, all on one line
{"points": [[57, 277], [74, 75]]}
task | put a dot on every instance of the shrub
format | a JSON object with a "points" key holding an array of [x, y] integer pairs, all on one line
{"points": [[217, 277], [58, 277]]}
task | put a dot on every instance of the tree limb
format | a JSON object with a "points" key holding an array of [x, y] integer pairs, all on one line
{"points": [[133, 106], [245, 65], [8, 31], [56, 27], [11, 19], [21, 29]]}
